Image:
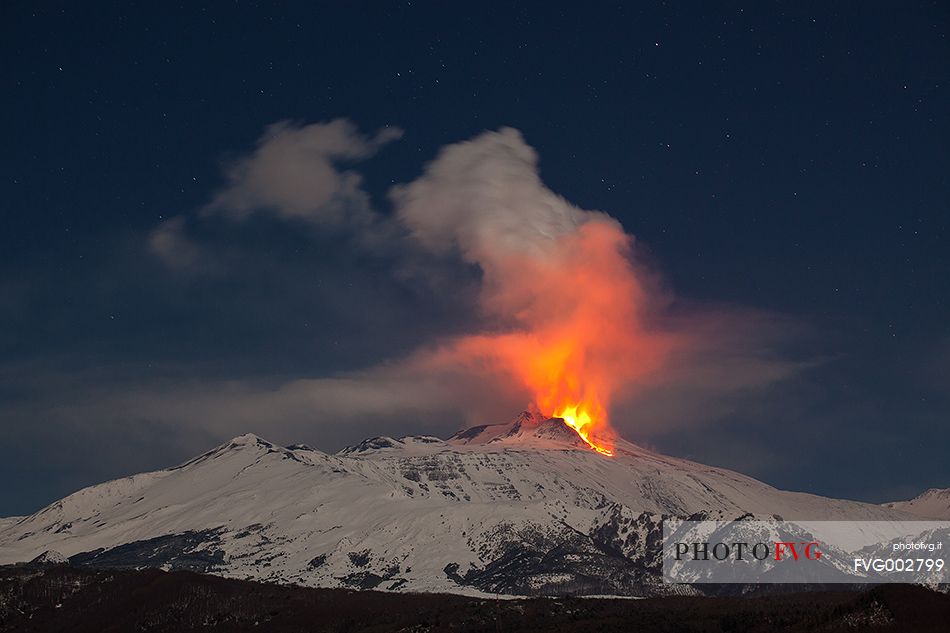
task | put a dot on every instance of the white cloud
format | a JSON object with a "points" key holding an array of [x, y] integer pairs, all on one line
{"points": [[294, 173], [485, 197]]}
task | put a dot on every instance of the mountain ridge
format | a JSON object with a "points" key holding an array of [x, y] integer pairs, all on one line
{"points": [[516, 509], [933, 503]]}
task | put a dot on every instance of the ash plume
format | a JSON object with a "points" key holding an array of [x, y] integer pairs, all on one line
{"points": [[571, 318], [569, 306]]}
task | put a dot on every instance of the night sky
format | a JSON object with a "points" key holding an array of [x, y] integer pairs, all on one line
{"points": [[784, 166]]}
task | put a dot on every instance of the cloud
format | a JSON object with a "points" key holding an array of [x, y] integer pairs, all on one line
{"points": [[295, 174], [730, 360], [485, 197], [170, 243], [436, 389], [329, 412]]}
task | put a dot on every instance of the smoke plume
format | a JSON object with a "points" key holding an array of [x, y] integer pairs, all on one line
{"points": [[567, 306], [571, 320]]}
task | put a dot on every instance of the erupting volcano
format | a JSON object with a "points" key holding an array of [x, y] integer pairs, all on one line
{"points": [[567, 306], [514, 508], [576, 332], [578, 419]]}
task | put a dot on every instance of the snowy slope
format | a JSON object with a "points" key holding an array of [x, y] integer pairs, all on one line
{"points": [[932, 504], [7, 522], [518, 508]]}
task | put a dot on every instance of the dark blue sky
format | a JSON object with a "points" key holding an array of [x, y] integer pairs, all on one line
{"points": [[791, 159]]}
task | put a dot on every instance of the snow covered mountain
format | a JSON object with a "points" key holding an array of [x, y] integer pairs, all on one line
{"points": [[931, 504], [518, 508]]}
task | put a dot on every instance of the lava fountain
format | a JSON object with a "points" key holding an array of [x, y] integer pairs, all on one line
{"points": [[579, 420]]}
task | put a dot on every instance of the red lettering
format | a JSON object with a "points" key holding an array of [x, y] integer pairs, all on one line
{"points": [[781, 546]]}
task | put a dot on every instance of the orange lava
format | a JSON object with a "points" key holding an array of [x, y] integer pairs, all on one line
{"points": [[581, 422]]}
